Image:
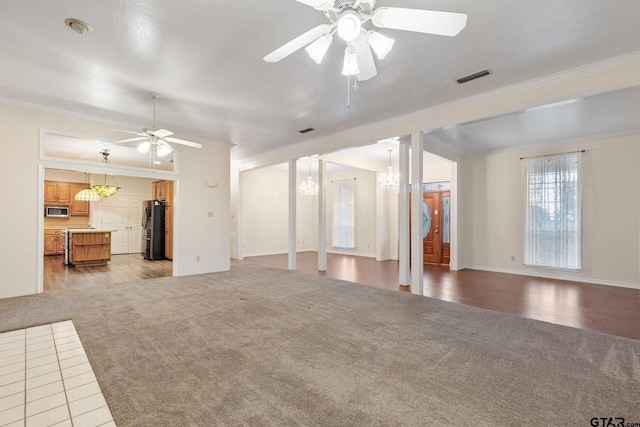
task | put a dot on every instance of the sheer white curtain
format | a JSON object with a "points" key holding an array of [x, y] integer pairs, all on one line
{"points": [[344, 214], [553, 211]]}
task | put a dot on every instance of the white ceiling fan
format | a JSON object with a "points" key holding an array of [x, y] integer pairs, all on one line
{"points": [[347, 18], [156, 140]]}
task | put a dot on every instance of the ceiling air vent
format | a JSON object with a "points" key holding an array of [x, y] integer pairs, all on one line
{"points": [[473, 76], [306, 130]]}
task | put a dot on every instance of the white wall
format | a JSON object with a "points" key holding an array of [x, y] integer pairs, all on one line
{"points": [[434, 170], [492, 216], [265, 201], [19, 176], [202, 215]]}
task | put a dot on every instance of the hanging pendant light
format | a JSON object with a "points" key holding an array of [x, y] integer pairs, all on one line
{"points": [[95, 191], [309, 187], [390, 181], [87, 195], [105, 190]]}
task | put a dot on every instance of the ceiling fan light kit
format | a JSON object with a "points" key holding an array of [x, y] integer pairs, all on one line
{"points": [[380, 44], [350, 65], [318, 48], [349, 25], [156, 141], [347, 19]]}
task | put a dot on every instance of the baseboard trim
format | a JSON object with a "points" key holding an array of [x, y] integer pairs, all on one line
{"points": [[351, 253], [306, 250], [263, 254], [557, 277]]}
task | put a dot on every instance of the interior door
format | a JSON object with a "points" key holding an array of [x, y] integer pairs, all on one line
{"points": [[135, 225], [114, 217], [123, 214]]}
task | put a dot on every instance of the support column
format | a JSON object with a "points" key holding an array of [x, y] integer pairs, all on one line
{"points": [[381, 237], [236, 217], [293, 172], [417, 267], [403, 215], [322, 216]]}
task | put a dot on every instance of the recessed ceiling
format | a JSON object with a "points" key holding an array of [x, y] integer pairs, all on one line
{"points": [[594, 116]]}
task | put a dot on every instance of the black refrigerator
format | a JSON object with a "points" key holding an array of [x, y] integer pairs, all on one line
{"points": [[153, 229]]}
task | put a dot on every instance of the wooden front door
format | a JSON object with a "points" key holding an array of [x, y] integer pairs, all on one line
{"points": [[431, 242], [436, 211]]}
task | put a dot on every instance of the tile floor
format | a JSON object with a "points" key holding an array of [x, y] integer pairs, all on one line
{"points": [[46, 380]]}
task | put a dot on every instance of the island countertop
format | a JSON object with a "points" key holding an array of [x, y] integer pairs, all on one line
{"points": [[90, 230]]}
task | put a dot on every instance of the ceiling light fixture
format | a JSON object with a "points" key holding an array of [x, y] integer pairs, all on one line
{"points": [[144, 147], [390, 181], [105, 190], [87, 195], [318, 48], [349, 25], [309, 187], [350, 65], [348, 18], [78, 26], [380, 44], [94, 192]]}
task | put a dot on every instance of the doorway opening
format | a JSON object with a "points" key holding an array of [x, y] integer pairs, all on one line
{"points": [[120, 213]]}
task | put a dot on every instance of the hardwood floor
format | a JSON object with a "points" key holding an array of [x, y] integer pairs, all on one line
{"points": [[600, 308], [122, 268]]}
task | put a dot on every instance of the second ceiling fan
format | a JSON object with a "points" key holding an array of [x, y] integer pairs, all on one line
{"points": [[347, 18], [155, 140]]}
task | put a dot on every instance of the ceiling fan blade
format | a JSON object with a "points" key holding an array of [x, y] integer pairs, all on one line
{"points": [[162, 133], [298, 43], [183, 142], [366, 63], [421, 21], [140, 138], [318, 4], [128, 131]]}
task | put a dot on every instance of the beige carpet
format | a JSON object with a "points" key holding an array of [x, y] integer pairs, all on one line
{"points": [[260, 347]]}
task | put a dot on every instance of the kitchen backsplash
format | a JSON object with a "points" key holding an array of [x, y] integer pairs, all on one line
{"points": [[71, 222]]}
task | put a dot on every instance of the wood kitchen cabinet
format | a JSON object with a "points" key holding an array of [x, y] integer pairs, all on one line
{"points": [[53, 242], [78, 207], [163, 190], [57, 192], [159, 189]]}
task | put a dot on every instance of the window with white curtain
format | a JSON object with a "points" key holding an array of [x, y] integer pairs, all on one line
{"points": [[344, 214], [552, 214]]}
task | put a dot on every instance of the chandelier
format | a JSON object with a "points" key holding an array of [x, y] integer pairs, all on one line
{"points": [[94, 192], [390, 181], [309, 187]]}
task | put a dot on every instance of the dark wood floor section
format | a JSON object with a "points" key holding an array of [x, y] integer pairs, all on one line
{"points": [[600, 308], [121, 269]]}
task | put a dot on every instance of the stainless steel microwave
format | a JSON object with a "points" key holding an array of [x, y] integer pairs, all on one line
{"points": [[56, 211]]}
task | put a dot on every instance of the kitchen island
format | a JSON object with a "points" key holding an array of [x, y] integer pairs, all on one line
{"points": [[88, 246]]}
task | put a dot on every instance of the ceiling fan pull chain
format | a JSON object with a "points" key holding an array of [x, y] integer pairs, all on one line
{"points": [[348, 93]]}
